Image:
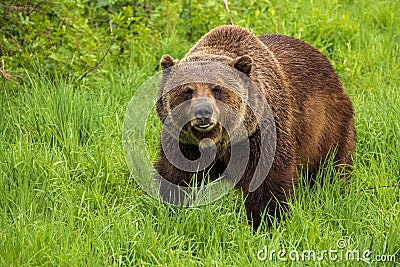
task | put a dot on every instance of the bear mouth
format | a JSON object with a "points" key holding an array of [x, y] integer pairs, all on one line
{"points": [[201, 126]]}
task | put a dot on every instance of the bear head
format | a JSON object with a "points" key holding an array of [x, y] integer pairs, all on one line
{"points": [[203, 98]]}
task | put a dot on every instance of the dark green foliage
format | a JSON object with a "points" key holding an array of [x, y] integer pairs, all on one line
{"points": [[72, 36]]}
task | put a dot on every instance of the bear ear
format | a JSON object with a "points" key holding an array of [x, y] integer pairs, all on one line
{"points": [[242, 63], [167, 61]]}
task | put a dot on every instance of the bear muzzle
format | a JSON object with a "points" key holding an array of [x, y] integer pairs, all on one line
{"points": [[203, 121]]}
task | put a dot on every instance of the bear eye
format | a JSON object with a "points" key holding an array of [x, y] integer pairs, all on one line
{"points": [[188, 93], [217, 90]]}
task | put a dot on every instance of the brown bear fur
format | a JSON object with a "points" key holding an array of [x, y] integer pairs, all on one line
{"points": [[312, 113]]}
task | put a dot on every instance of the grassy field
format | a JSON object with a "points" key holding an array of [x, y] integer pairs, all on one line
{"points": [[67, 199]]}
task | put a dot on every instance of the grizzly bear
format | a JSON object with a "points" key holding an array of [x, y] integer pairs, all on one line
{"points": [[312, 114]]}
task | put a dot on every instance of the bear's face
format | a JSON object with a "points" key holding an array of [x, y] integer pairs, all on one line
{"points": [[201, 109], [196, 111]]}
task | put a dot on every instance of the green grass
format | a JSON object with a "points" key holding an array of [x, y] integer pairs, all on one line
{"points": [[67, 198]]}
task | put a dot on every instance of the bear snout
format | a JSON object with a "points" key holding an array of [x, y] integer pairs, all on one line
{"points": [[203, 117], [203, 112]]}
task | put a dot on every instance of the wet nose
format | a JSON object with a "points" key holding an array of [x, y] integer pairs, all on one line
{"points": [[203, 112]]}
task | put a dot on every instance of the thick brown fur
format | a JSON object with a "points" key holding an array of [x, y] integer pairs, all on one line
{"points": [[312, 113]]}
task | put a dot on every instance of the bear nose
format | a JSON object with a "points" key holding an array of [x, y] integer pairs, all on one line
{"points": [[203, 112]]}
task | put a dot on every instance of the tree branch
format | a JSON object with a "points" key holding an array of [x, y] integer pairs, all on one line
{"points": [[98, 63], [227, 11]]}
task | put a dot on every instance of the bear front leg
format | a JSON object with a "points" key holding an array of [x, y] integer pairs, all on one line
{"points": [[171, 178], [271, 197]]}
